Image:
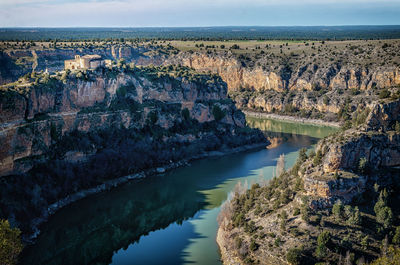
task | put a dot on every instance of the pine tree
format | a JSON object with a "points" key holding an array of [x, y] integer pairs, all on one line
{"points": [[396, 237], [337, 209]]}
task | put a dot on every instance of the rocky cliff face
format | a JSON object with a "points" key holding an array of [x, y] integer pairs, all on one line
{"points": [[75, 132], [371, 146], [16, 63], [311, 87], [288, 214], [305, 77], [63, 105], [263, 83]]}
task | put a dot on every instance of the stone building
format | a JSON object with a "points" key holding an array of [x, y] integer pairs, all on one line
{"points": [[85, 62]]}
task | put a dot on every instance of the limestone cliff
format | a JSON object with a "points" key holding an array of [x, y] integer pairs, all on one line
{"points": [[305, 77], [75, 132], [281, 221], [293, 86], [373, 145], [280, 83]]}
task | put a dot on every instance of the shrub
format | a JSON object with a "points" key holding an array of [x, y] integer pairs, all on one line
{"points": [[238, 242], [10, 243], [354, 217], [253, 245], [337, 209], [296, 211], [294, 256], [384, 94], [362, 165], [385, 216], [396, 237], [218, 113], [322, 241], [397, 127], [277, 242], [392, 257], [318, 158], [305, 213], [152, 117], [364, 242], [185, 114], [302, 154]]}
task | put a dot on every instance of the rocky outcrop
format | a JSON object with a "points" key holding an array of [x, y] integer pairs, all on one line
{"points": [[384, 116], [324, 192], [306, 77], [74, 133], [379, 150], [16, 63], [277, 84], [292, 86], [377, 142], [28, 120], [354, 150]]}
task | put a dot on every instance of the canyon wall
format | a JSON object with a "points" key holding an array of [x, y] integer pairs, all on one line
{"points": [[61, 135], [347, 158], [303, 77], [28, 120], [282, 84]]}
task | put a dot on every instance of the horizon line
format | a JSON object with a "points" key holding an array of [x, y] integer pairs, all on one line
{"points": [[226, 26]]}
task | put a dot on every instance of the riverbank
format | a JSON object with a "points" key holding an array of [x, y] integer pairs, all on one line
{"points": [[108, 185], [227, 256], [293, 119]]}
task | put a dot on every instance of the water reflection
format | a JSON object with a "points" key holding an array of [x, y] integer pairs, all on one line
{"points": [[169, 219], [270, 125]]}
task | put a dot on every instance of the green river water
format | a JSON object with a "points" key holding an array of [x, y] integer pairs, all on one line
{"points": [[166, 219]]}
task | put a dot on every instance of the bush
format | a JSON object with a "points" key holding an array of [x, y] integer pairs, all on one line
{"points": [[381, 201], [362, 165], [318, 158], [354, 217], [253, 245], [218, 113], [152, 117], [396, 237], [392, 257], [294, 256], [296, 211], [383, 213], [397, 127], [10, 243], [384, 94], [337, 209], [364, 242], [185, 114], [305, 213], [277, 242], [323, 239], [385, 216], [302, 155]]}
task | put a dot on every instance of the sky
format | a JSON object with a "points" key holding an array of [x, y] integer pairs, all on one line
{"points": [[179, 13]]}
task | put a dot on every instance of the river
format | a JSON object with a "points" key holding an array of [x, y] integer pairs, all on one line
{"points": [[166, 219]]}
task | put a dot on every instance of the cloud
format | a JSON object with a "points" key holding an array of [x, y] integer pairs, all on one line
{"points": [[187, 12]]}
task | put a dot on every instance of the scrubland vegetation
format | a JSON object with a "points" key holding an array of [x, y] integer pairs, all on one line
{"points": [[272, 217]]}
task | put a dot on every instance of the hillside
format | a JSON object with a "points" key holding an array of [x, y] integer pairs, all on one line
{"points": [[72, 131], [326, 80], [336, 205]]}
